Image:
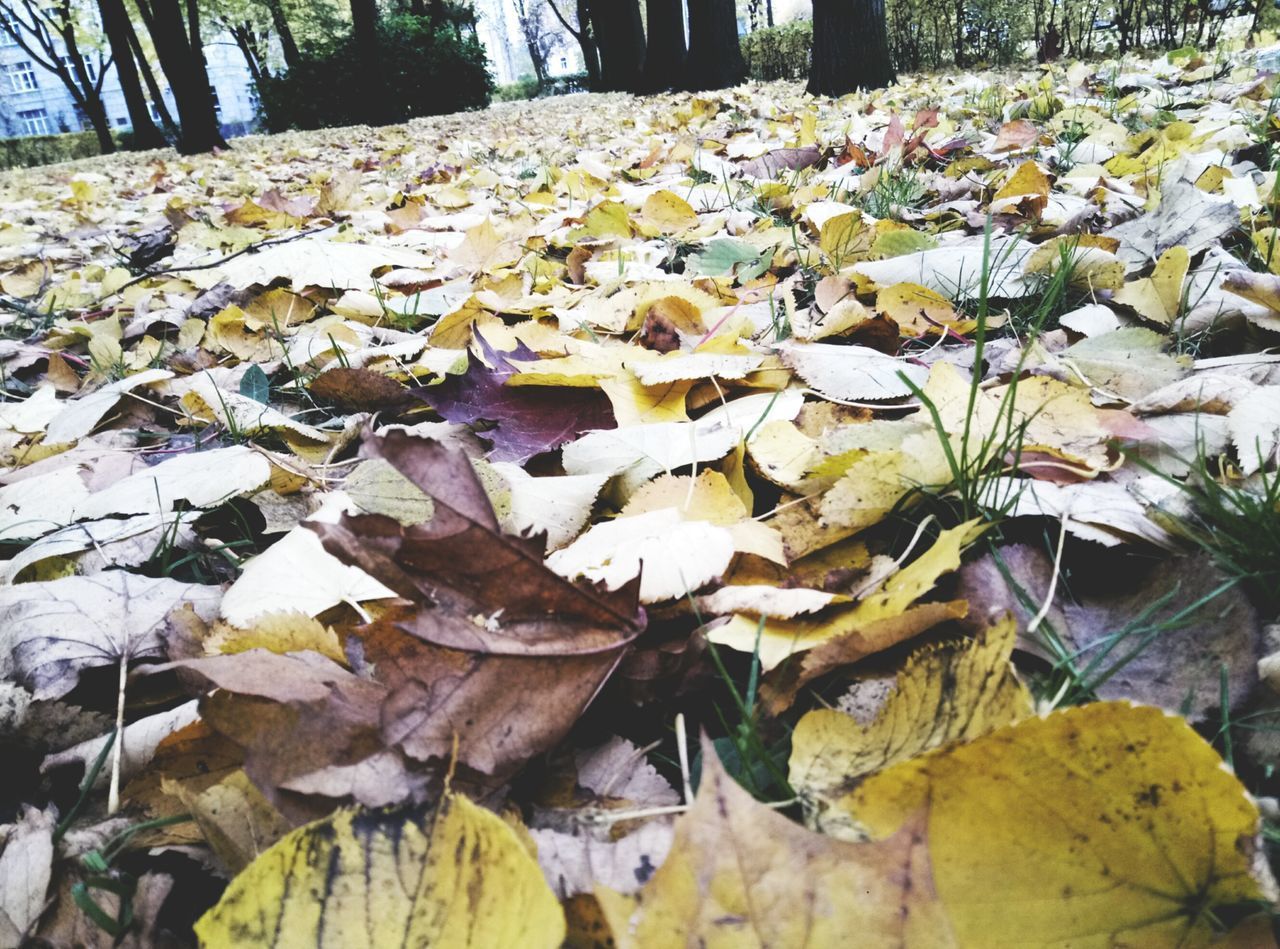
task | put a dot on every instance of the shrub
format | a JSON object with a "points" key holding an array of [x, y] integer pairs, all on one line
{"points": [[526, 87], [779, 52], [33, 150], [428, 71]]}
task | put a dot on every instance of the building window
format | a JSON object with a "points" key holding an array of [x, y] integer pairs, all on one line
{"points": [[21, 76], [564, 62], [8, 19], [35, 122], [90, 67], [122, 121], [213, 94]]}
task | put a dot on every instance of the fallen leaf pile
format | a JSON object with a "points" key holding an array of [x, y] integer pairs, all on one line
{"points": [[733, 519]]}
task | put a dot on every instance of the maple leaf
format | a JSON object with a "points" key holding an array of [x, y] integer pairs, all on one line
{"points": [[525, 420]]}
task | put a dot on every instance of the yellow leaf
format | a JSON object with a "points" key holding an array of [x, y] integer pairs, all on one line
{"points": [[740, 875], [846, 238], [1104, 825], [918, 310], [461, 878], [952, 692], [1026, 192], [278, 632], [235, 818], [918, 577], [1158, 298], [606, 219], [668, 212], [636, 404]]}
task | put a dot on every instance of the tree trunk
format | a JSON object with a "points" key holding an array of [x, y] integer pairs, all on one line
{"points": [[715, 58], [768, 12], [149, 79], [89, 96], [246, 39], [288, 45], [185, 70], [364, 28], [145, 133], [619, 34], [850, 48], [665, 54]]}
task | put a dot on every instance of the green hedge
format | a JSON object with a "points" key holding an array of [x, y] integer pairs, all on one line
{"points": [[428, 70], [780, 52], [33, 150]]}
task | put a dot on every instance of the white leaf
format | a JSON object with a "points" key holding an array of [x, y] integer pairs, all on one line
{"points": [[558, 506], [201, 478], [677, 556], [50, 631], [1254, 424], [296, 575], [851, 373], [80, 416]]}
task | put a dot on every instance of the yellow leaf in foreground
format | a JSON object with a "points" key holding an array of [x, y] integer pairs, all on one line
{"points": [[1158, 298], [668, 212], [376, 878], [950, 692], [1026, 191], [740, 875], [1104, 825]]}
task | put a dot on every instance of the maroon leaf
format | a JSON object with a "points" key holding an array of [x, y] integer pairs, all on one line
{"points": [[524, 420]]}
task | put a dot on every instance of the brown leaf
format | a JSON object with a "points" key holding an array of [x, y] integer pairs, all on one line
{"points": [[1140, 617], [771, 163], [780, 687], [1016, 134], [358, 390], [489, 614]]}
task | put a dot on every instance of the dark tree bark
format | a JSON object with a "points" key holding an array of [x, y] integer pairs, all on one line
{"points": [[288, 45], [619, 34], [715, 58], [184, 67], [115, 26], [250, 44], [149, 79], [38, 30], [586, 42], [665, 53], [850, 47], [364, 27]]}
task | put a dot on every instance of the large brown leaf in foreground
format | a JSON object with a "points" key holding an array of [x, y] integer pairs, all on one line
{"points": [[498, 652]]}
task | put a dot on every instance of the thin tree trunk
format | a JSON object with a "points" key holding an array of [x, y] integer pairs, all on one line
{"points": [[665, 53], [288, 45], [850, 49], [90, 99], [243, 34], [149, 78], [715, 56], [590, 59], [619, 34], [768, 11], [145, 133]]}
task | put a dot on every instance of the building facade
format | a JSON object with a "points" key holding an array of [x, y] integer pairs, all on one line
{"points": [[35, 101], [498, 26]]}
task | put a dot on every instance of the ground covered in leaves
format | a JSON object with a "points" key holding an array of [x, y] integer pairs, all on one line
{"points": [[740, 519]]}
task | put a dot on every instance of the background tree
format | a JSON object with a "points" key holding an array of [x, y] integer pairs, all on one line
{"points": [[47, 32], [364, 28], [619, 36], [539, 34], [580, 30], [850, 48], [664, 57], [715, 56], [284, 32], [118, 29], [180, 49]]}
